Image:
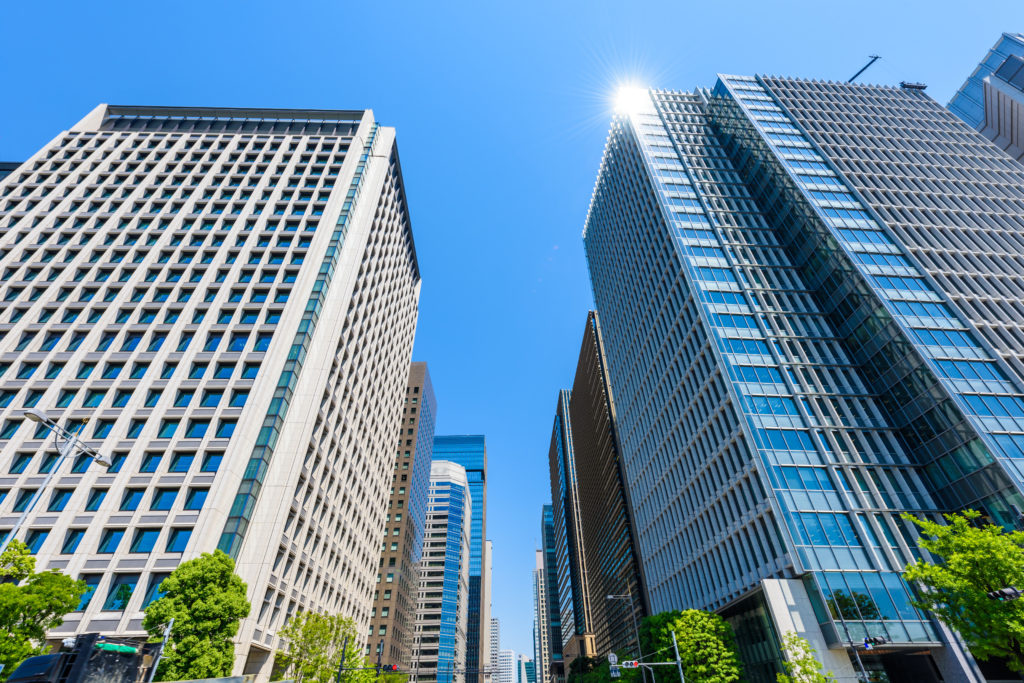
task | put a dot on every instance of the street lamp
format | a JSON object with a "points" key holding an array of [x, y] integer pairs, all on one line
{"points": [[70, 445], [632, 612]]}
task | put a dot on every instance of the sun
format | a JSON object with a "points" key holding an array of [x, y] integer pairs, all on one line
{"points": [[630, 99]]}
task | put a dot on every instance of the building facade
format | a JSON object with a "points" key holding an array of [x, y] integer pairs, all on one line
{"points": [[609, 556], [1004, 107], [525, 672], [968, 103], [803, 345], [210, 288], [439, 643], [507, 666], [470, 451], [552, 613], [541, 630], [495, 638], [577, 638], [394, 601]]}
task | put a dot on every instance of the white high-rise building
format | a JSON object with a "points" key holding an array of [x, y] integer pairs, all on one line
{"points": [[487, 675], [495, 648], [442, 609], [230, 297], [541, 644], [507, 666]]}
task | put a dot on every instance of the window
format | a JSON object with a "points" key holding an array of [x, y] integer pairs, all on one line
{"points": [[197, 371], [84, 370], [94, 398], [249, 370], [224, 370], [184, 341], [212, 341], [167, 429], [197, 429], [34, 539], [121, 398], [20, 462], [263, 341], [178, 540], [226, 428], [118, 461], [135, 428], [59, 500], [156, 342], [91, 581], [96, 497], [71, 541], [239, 397], [211, 461], [183, 398], [132, 498], [109, 541], [181, 462], [138, 370], [121, 589], [144, 541], [150, 462], [196, 498], [131, 341], [212, 398], [102, 429], [153, 591], [163, 499]]}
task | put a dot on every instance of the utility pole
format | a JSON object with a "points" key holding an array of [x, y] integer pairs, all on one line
{"points": [[341, 666], [160, 653], [679, 662]]}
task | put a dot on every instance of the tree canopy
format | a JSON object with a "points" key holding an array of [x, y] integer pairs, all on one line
{"points": [[801, 662], [31, 603], [313, 649], [707, 647], [206, 599], [974, 559]]}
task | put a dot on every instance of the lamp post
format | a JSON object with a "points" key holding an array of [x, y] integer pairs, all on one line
{"points": [[632, 613], [71, 444]]}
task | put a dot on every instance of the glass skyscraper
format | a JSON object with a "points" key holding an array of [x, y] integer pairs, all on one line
{"points": [[470, 451], [969, 101], [439, 643], [552, 618], [229, 296], [804, 289]]}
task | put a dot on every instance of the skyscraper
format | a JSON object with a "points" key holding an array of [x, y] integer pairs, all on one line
{"points": [[609, 555], [495, 638], [470, 451], [439, 644], [541, 644], [506, 666], [394, 601], [573, 603], [553, 616], [803, 343], [968, 102], [1004, 107], [230, 297], [487, 671]]}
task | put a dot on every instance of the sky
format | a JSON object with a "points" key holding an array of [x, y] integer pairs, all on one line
{"points": [[501, 110]]}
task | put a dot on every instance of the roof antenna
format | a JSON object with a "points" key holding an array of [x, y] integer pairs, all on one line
{"points": [[874, 58]]}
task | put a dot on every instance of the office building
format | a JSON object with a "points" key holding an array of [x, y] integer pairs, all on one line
{"points": [[573, 604], [1004, 107], [555, 672], [394, 601], [609, 555], [507, 666], [486, 671], [229, 296], [470, 451], [495, 638], [804, 342], [541, 643], [439, 644], [525, 670], [969, 102]]}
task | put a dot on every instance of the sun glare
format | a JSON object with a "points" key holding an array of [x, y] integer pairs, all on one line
{"points": [[629, 99]]}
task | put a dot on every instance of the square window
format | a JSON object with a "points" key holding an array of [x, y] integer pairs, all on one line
{"points": [[109, 541], [183, 398], [212, 398], [153, 591], [178, 540], [96, 497], [144, 541], [150, 462], [197, 429], [239, 397], [224, 370], [167, 429], [196, 498], [131, 499], [226, 428], [211, 461], [163, 499], [249, 370], [59, 500], [121, 589], [71, 541], [91, 581], [34, 539]]}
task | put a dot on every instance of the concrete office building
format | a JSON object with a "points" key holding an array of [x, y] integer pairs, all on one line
{"points": [[573, 602], [439, 644], [507, 666], [487, 672], [470, 451], [969, 101], [230, 297], [394, 601], [804, 342], [541, 631], [609, 556], [495, 642], [525, 672]]}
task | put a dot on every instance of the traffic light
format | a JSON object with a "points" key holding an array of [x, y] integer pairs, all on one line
{"points": [[630, 664], [1004, 594], [389, 668]]}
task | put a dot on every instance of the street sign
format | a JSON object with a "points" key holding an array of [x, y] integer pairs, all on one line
{"points": [[631, 664], [613, 658], [613, 671]]}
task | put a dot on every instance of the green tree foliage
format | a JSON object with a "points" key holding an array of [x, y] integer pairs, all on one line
{"points": [[707, 646], [30, 604], [314, 645], [801, 663], [206, 599], [597, 670], [973, 560]]}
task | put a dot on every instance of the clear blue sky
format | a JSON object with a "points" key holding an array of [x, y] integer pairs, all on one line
{"points": [[501, 110]]}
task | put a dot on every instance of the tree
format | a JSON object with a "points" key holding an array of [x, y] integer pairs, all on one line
{"points": [[206, 599], [315, 643], [707, 647], [801, 663], [30, 604], [973, 560]]}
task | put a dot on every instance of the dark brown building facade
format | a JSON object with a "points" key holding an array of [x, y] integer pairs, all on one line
{"points": [[394, 600], [610, 554]]}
